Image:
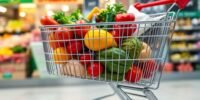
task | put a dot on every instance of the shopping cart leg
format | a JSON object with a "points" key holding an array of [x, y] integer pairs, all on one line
{"points": [[119, 92], [146, 93], [105, 96]]}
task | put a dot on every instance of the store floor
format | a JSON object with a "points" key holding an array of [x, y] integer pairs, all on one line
{"points": [[169, 90]]}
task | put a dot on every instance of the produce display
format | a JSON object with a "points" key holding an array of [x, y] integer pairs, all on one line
{"points": [[185, 67], [14, 56], [185, 46], [13, 48], [101, 51]]}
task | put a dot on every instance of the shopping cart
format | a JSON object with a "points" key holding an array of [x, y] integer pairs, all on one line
{"points": [[155, 35]]}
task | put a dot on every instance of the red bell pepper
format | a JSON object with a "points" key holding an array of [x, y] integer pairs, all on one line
{"points": [[124, 17], [46, 20], [59, 37], [85, 56], [116, 36], [149, 67], [74, 47], [63, 34], [95, 69], [125, 29], [134, 74], [79, 30]]}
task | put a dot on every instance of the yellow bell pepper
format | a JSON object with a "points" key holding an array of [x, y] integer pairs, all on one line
{"points": [[95, 10], [60, 56], [99, 39]]}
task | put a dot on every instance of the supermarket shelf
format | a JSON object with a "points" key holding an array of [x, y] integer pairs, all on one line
{"points": [[15, 32], [185, 39], [181, 76], [180, 61], [187, 28], [185, 50]]}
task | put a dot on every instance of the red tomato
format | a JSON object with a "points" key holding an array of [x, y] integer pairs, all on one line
{"points": [[124, 17], [63, 34], [149, 67], [46, 20], [79, 30], [85, 56], [53, 43], [95, 69], [116, 36], [74, 47], [125, 30], [134, 74]]}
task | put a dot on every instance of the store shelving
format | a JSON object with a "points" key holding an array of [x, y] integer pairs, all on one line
{"points": [[185, 44], [186, 50], [185, 60], [14, 32], [186, 39], [187, 28]]}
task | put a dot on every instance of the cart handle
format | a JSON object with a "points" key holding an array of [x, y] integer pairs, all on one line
{"points": [[181, 3]]}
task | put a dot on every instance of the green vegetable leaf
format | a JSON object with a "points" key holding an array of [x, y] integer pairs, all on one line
{"points": [[76, 15], [111, 11], [61, 18]]}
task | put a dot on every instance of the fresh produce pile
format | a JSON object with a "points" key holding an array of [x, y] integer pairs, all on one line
{"points": [[13, 48], [16, 54], [96, 50]]}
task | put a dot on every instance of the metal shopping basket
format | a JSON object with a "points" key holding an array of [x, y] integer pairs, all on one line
{"points": [[155, 35]]}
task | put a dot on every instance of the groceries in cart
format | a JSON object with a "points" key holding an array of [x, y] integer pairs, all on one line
{"points": [[104, 45], [109, 45]]}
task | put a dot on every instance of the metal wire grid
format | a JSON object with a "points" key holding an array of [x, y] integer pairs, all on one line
{"points": [[156, 35]]}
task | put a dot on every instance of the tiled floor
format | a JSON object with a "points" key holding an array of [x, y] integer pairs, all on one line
{"points": [[177, 90]]}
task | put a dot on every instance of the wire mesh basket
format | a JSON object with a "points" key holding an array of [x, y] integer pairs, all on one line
{"points": [[126, 53], [148, 46]]}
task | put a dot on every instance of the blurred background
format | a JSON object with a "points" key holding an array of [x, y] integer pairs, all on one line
{"points": [[22, 64]]}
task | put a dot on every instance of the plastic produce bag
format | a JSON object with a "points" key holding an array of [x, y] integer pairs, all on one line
{"points": [[139, 16]]}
